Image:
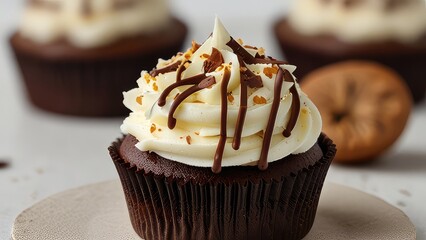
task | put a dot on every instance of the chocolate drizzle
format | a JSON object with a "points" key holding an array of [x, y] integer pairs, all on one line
{"points": [[247, 76], [213, 61], [267, 136], [180, 70], [166, 69], [248, 79], [236, 142], [187, 81], [247, 57], [295, 105], [204, 83], [217, 163]]}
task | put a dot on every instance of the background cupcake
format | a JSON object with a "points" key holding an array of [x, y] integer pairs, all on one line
{"points": [[221, 143], [392, 32], [76, 57]]}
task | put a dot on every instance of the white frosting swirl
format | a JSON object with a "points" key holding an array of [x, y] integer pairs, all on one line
{"points": [[359, 21], [195, 138], [45, 21]]}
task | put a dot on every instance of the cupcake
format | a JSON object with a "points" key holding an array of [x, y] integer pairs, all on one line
{"points": [[76, 57], [392, 32], [221, 143]]}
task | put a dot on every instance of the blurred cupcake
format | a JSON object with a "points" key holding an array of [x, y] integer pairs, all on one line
{"points": [[221, 143], [76, 57], [392, 32]]}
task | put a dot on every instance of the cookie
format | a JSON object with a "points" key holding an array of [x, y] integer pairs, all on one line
{"points": [[364, 106]]}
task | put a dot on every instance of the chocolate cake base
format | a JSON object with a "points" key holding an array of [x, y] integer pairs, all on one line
{"points": [[170, 200], [62, 78], [311, 52]]}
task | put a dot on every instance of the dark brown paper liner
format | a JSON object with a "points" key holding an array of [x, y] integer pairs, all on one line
{"points": [[310, 53], [79, 88], [161, 208], [68, 80]]}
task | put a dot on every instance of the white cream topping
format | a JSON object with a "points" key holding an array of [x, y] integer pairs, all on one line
{"points": [[50, 20], [361, 21], [195, 138]]}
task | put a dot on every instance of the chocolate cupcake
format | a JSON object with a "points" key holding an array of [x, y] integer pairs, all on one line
{"points": [[76, 57], [221, 144], [392, 32]]}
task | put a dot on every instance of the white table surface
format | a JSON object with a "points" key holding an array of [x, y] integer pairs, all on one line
{"points": [[50, 153]]}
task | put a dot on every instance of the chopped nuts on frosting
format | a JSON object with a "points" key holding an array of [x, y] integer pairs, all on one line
{"points": [[221, 104]]}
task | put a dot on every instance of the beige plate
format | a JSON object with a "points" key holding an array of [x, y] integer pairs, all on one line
{"points": [[98, 211]]}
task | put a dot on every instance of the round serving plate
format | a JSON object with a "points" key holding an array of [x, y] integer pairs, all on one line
{"points": [[98, 211]]}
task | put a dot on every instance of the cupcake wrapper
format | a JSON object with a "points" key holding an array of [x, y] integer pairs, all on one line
{"points": [[161, 208]]}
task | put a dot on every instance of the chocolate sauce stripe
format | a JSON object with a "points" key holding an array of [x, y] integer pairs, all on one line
{"points": [[217, 162], [179, 99], [179, 71], [187, 81], [247, 57], [213, 61], [267, 136], [236, 142], [247, 79], [295, 105], [169, 68]]}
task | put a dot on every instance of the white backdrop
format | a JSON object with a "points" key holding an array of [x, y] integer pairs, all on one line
{"points": [[50, 153]]}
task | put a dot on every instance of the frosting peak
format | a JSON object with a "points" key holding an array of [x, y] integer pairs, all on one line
{"points": [[221, 104]]}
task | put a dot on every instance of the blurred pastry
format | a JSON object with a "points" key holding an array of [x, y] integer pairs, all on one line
{"points": [[76, 57], [392, 32]]}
